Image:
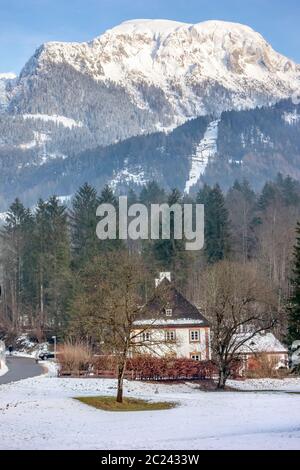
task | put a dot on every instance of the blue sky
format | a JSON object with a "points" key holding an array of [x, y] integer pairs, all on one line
{"points": [[25, 24]]}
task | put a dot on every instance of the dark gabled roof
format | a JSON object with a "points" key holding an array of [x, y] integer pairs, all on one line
{"points": [[167, 296]]}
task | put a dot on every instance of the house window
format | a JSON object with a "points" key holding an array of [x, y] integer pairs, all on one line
{"points": [[146, 336], [170, 335], [195, 357], [194, 336], [169, 312]]}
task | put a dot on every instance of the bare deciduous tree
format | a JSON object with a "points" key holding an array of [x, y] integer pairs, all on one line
{"points": [[107, 305], [236, 301]]}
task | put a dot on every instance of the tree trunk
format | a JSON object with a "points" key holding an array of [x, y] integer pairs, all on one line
{"points": [[121, 372], [222, 378]]}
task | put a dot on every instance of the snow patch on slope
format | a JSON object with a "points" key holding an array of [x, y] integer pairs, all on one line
{"points": [[8, 76], [63, 120], [125, 176], [46, 157], [39, 140], [5, 79], [3, 216], [291, 118], [206, 150], [65, 199]]}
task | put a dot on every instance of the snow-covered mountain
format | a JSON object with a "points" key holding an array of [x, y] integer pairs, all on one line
{"points": [[188, 63], [7, 81], [149, 75], [139, 78]]}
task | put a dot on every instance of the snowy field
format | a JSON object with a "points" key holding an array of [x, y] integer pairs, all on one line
{"points": [[39, 413]]}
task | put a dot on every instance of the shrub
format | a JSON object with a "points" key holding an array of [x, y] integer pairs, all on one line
{"points": [[74, 356], [147, 367], [104, 363], [265, 366]]}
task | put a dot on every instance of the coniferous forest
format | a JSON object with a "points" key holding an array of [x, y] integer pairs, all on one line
{"points": [[49, 252]]}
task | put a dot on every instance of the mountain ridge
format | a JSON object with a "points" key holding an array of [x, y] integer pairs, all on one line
{"points": [[253, 144], [140, 78], [184, 61], [161, 72]]}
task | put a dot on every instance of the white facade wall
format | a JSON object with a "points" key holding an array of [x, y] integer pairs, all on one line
{"points": [[186, 348], [182, 347], [279, 359]]}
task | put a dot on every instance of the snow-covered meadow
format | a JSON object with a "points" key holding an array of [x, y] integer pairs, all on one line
{"points": [[40, 413]]}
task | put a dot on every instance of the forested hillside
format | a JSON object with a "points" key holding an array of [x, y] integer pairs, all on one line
{"points": [[254, 144], [45, 252]]}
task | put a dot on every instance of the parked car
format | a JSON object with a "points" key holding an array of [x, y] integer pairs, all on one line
{"points": [[44, 355]]}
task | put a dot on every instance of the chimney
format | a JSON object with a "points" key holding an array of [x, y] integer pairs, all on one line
{"points": [[162, 276]]}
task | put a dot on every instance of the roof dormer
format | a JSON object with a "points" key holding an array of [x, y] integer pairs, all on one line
{"points": [[162, 276]]}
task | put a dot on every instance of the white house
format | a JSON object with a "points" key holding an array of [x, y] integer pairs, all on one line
{"points": [[266, 345], [170, 325]]}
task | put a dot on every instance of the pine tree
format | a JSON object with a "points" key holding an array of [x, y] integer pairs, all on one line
{"points": [[58, 269], [52, 263], [20, 267], [237, 186], [107, 196], [171, 254], [203, 194], [131, 197], [29, 269], [290, 191], [268, 196], [216, 224], [247, 192], [152, 194], [294, 308], [241, 203], [166, 251], [13, 259], [83, 224]]}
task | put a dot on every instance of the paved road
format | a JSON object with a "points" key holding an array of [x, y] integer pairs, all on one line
{"points": [[20, 368]]}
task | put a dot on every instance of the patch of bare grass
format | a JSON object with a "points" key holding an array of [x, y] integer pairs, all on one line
{"points": [[129, 404]]}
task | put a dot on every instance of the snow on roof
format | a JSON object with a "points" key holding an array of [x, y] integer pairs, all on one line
{"points": [[166, 296], [168, 322], [261, 343]]}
